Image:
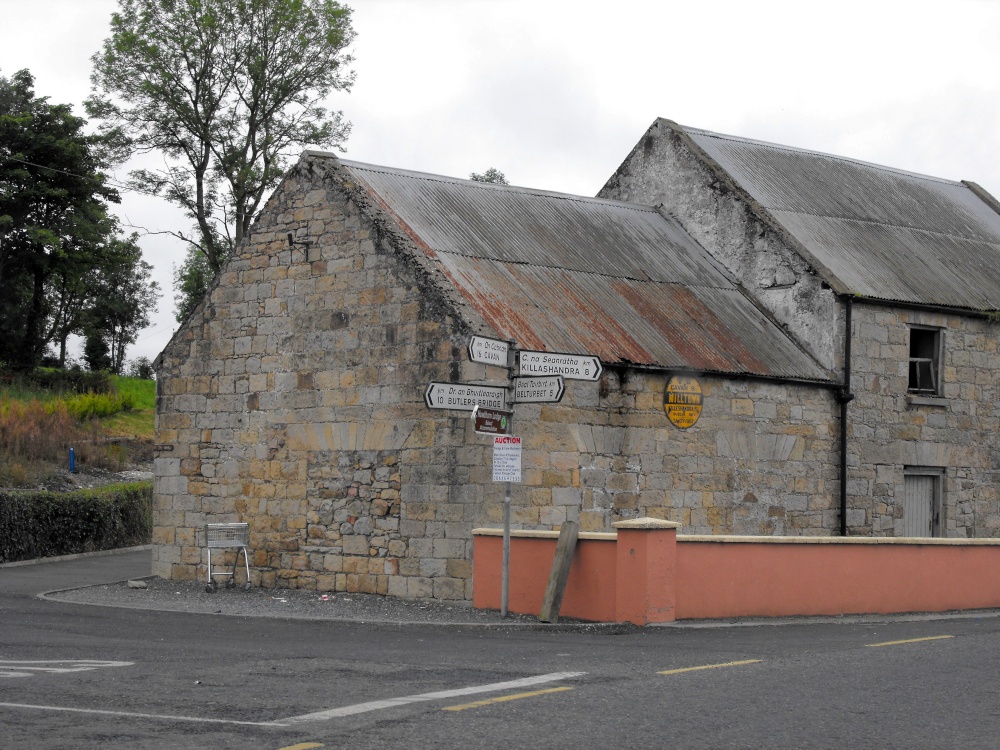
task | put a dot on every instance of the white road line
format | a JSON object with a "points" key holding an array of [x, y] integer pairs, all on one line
{"points": [[360, 708], [130, 715], [15, 668]]}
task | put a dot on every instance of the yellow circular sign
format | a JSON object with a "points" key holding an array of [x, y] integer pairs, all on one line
{"points": [[682, 401]]}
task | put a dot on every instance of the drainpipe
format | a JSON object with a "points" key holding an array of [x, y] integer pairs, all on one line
{"points": [[844, 396]]}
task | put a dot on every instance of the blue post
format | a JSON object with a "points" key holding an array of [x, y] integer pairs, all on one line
{"points": [[72, 461]]}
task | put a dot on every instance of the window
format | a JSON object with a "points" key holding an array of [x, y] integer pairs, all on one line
{"points": [[925, 361]]}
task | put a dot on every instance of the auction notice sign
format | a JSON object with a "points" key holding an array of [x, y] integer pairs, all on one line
{"points": [[506, 458]]}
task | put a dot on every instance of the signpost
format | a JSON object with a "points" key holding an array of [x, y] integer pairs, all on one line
{"points": [[489, 351], [542, 390], [506, 469], [466, 396], [570, 366], [542, 381]]}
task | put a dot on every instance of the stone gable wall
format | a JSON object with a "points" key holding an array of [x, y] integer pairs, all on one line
{"points": [[663, 170], [293, 399]]}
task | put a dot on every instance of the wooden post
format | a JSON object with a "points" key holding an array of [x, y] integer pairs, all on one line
{"points": [[560, 572]]}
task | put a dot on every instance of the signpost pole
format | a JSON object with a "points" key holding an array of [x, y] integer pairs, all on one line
{"points": [[505, 564], [505, 569]]}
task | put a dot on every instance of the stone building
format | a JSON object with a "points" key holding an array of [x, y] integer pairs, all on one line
{"points": [[890, 279], [293, 398], [837, 317]]}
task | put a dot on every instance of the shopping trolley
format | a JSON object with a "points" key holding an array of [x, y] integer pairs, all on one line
{"points": [[232, 535]]}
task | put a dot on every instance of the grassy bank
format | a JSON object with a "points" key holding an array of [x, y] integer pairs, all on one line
{"points": [[42, 418]]}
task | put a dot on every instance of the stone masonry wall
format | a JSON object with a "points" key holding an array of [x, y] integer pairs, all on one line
{"points": [[760, 460], [890, 430]]}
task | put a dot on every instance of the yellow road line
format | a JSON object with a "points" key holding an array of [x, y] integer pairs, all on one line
{"points": [[505, 698], [304, 746], [711, 666], [910, 640]]}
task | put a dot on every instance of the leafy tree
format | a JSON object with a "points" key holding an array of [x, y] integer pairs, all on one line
{"points": [[96, 352], [191, 281], [141, 367], [225, 90], [123, 298], [53, 217], [492, 174]]}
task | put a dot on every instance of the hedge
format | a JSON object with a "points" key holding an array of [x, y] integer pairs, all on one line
{"points": [[59, 381], [46, 524]]}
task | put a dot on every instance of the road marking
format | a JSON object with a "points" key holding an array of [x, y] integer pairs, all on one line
{"points": [[505, 698], [360, 708], [711, 666], [131, 715], [910, 640], [303, 746], [16, 668]]}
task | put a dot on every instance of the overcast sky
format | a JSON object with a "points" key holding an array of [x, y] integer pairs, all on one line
{"points": [[556, 93]]}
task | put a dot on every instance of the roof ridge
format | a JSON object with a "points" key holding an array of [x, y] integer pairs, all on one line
{"points": [[813, 152], [432, 177]]}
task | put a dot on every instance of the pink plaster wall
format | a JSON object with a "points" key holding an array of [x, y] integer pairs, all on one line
{"points": [[708, 578]]}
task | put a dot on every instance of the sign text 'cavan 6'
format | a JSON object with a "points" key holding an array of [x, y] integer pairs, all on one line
{"points": [[465, 396], [489, 351]]}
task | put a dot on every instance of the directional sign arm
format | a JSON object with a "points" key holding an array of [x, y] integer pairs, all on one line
{"points": [[464, 396], [570, 366], [541, 390], [489, 351]]}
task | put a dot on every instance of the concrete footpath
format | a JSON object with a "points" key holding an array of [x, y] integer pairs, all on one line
{"points": [[48, 574], [101, 579]]}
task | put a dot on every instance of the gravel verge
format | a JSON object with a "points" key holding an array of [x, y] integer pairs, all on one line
{"points": [[190, 596]]}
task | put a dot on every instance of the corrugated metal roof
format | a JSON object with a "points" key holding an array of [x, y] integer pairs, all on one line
{"points": [[882, 233], [564, 273]]}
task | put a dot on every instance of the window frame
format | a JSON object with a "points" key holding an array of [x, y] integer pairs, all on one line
{"points": [[935, 362]]}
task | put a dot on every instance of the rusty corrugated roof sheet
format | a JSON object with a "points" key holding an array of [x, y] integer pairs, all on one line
{"points": [[564, 273], [879, 232]]}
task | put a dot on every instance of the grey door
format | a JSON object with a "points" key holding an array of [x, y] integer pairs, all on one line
{"points": [[920, 504]]}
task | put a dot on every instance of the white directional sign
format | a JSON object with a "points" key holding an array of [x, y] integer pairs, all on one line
{"points": [[488, 351], [465, 396], [543, 390], [570, 366]]}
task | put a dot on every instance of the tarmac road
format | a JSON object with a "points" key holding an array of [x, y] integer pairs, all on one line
{"points": [[80, 676]]}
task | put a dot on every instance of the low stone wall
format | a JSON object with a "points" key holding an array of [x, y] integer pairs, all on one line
{"points": [[682, 577]]}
